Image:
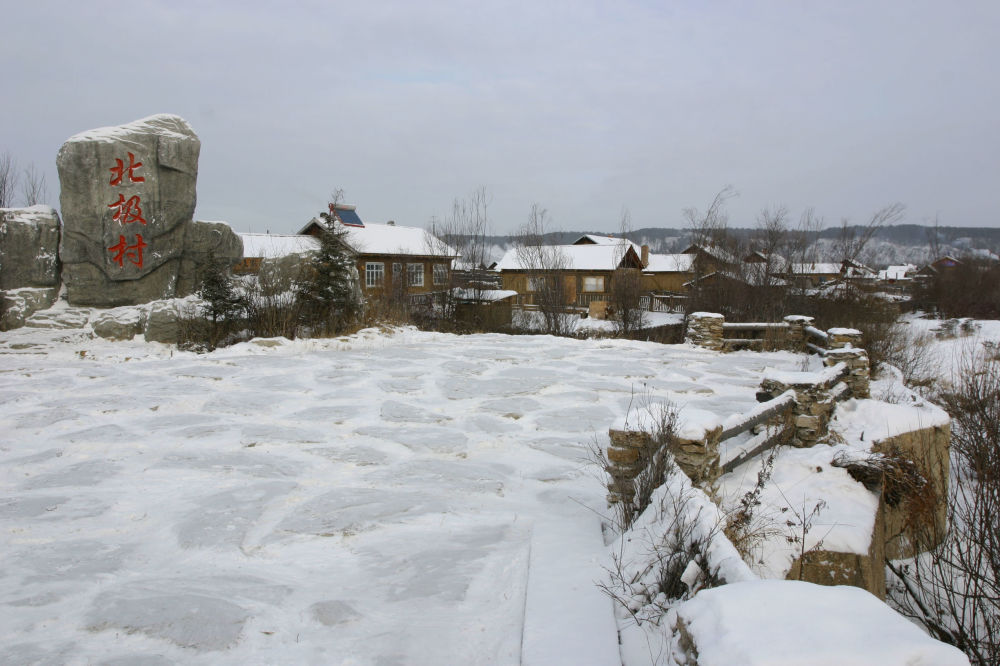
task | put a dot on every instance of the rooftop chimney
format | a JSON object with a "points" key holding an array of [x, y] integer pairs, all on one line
{"points": [[645, 256]]}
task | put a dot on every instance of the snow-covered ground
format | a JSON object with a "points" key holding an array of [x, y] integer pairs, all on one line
{"points": [[388, 498]]}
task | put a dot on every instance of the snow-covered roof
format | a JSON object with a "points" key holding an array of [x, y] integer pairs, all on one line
{"points": [[596, 239], [714, 251], [272, 246], [670, 263], [392, 239], [896, 272], [563, 257], [816, 268], [395, 239]]}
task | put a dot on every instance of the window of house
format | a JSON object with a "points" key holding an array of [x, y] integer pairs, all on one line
{"points": [[440, 273], [397, 273], [415, 275], [374, 273], [593, 283], [536, 283]]}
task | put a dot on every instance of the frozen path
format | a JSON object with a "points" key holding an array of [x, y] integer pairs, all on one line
{"points": [[406, 498], [567, 619]]}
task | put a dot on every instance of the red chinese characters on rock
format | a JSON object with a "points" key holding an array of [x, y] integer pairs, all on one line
{"points": [[119, 171], [125, 251], [127, 211]]}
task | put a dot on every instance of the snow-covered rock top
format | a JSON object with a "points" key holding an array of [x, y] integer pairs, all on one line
{"points": [[707, 315], [692, 423], [800, 378], [163, 124], [844, 331], [793, 622], [866, 421], [29, 215]]}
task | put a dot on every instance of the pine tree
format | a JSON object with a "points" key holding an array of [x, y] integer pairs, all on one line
{"points": [[329, 296], [222, 305]]}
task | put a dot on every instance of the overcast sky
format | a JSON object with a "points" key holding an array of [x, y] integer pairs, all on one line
{"points": [[581, 107]]}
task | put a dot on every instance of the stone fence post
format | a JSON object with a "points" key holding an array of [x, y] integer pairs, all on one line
{"points": [[704, 329], [841, 337], [796, 332], [858, 368], [695, 448]]}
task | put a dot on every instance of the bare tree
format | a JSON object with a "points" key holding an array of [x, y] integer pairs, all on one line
{"points": [[469, 227], [802, 245], [772, 241], [625, 295], [545, 268], [465, 232], [8, 180], [854, 239], [710, 227], [934, 241], [33, 188]]}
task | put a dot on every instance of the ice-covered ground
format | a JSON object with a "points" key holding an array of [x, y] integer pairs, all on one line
{"points": [[388, 498]]}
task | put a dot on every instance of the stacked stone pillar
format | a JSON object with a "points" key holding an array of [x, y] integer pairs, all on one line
{"points": [[844, 337], [631, 451], [858, 368], [795, 334], [704, 329], [628, 455]]}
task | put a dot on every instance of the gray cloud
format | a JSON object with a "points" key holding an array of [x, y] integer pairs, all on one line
{"points": [[582, 107]]}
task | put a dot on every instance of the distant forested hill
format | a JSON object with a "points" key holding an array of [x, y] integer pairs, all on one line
{"points": [[896, 244]]}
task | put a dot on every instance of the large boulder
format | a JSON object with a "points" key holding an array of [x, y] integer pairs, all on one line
{"points": [[128, 197], [17, 305], [127, 193], [207, 242], [122, 323], [29, 245]]}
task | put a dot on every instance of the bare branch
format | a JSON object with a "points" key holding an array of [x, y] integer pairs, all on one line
{"points": [[33, 187], [8, 180]]}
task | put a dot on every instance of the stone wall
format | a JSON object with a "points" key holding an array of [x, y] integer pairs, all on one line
{"points": [[705, 329], [825, 567], [816, 394], [918, 520]]}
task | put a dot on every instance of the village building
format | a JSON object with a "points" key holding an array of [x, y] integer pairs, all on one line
{"points": [[407, 259], [897, 274], [586, 271], [813, 273], [667, 274], [937, 267]]}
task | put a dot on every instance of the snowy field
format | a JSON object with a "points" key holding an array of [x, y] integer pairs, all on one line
{"points": [[388, 498]]}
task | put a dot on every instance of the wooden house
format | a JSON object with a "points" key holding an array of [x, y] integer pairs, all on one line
{"points": [[390, 256], [813, 273], [668, 273], [585, 271]]}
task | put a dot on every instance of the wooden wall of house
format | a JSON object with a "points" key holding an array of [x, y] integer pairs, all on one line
{"points": [[666, 282], [389, 259], [572, 283]]}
